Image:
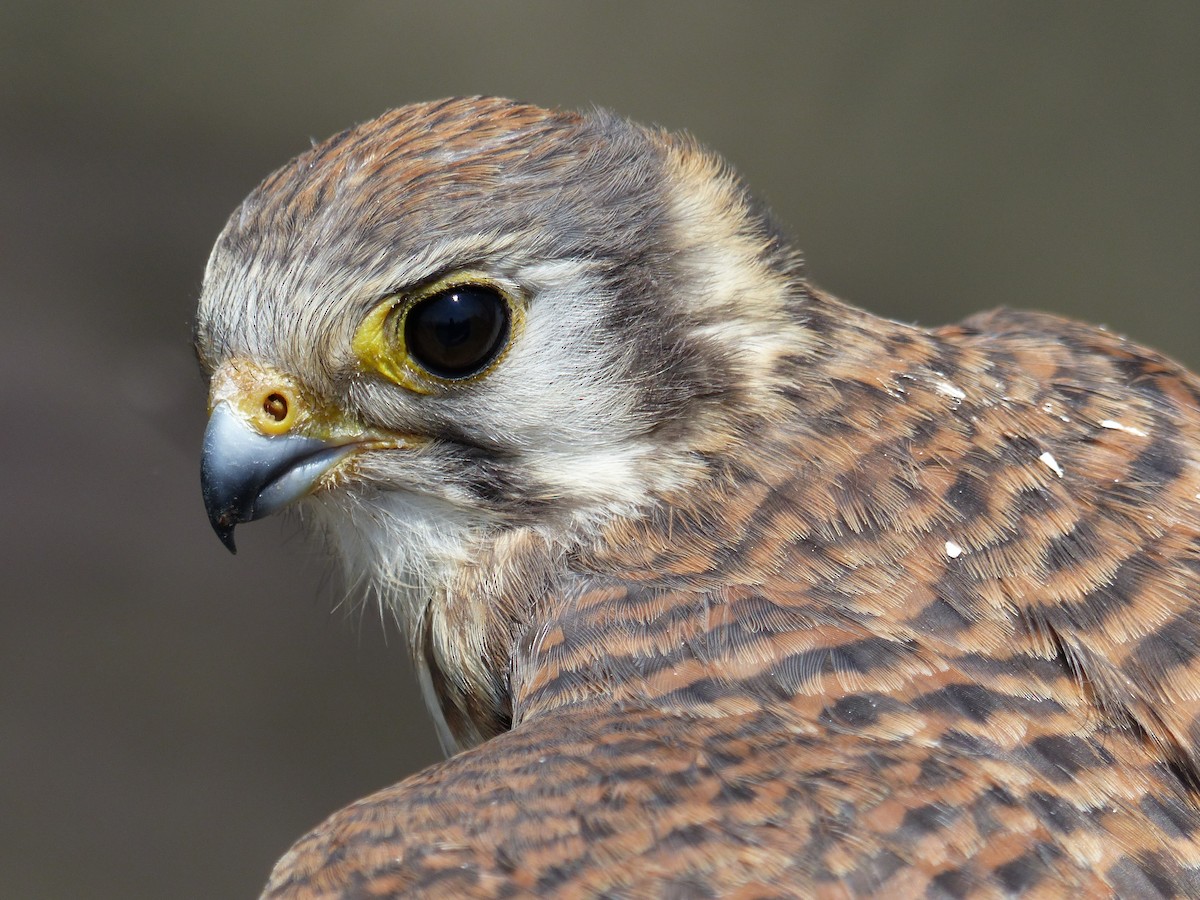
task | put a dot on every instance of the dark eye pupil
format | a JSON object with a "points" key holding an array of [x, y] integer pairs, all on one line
{"points": [[456, 332]]}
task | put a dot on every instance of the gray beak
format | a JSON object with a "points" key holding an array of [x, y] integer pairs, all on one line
{"points": [[246, 475]]}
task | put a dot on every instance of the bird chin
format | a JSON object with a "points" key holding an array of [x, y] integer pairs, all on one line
{"points": [[395, 546]]}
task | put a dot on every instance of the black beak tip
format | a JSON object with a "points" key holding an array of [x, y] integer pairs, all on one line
{"points": [[225, 533]]}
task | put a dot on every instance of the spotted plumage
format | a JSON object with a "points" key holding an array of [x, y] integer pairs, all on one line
{"points": [[720, 587]]}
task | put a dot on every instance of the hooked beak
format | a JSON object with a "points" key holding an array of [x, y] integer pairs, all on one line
{"points": [[246, 475]]}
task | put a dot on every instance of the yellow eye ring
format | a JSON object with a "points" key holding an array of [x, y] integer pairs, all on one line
{"points": [[451, 332]]}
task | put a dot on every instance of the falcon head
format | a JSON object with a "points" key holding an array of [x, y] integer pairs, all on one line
{"points": [[473, 326]]}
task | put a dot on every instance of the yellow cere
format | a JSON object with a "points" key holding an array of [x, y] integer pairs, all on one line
{"points": [[274, 403]]}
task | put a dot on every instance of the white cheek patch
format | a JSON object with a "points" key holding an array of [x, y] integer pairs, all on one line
{"points": [[563, 397], [562, 382]]}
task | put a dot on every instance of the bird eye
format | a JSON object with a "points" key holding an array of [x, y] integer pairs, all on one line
{"points": [[458, 331], [452, 330]]}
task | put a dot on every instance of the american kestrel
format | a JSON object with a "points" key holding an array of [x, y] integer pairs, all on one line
{"points": [[717, 586]]}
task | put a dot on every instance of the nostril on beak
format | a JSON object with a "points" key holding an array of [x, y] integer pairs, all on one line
{"points": [[276, 406], [277, 410]]}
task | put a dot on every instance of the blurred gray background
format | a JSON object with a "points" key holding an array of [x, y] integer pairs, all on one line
{"points": [[172, 717]]}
